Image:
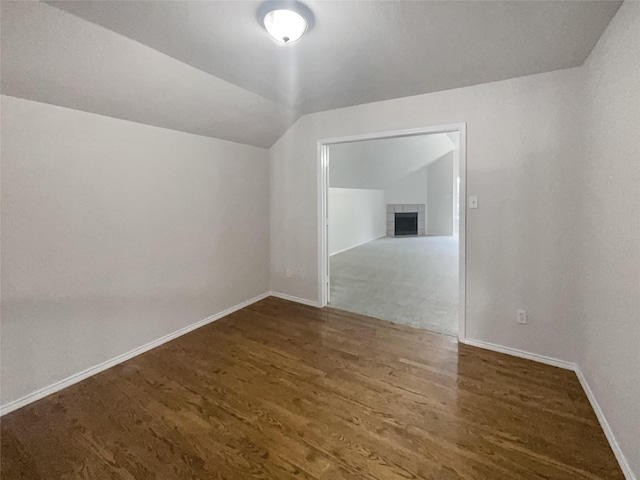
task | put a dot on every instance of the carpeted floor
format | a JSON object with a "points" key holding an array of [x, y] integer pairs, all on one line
{"points": [[410, 280]]}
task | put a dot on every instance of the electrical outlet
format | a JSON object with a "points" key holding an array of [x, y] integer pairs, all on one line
{"points": [[288, 273], [521, 317]]}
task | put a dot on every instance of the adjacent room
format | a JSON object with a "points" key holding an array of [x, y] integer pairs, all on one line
{"points": [[301, 239], [393, 229]]}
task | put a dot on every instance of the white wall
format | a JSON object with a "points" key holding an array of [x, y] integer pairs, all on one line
{"points": [[115, 234], [608, 329], [355, 217], [523, 148], [411, 189], [441, 196]]}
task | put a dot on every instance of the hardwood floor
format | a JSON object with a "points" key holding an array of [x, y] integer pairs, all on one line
{"points": [[280, 390]]}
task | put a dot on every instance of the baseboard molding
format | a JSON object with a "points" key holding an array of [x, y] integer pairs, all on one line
{"points": [[345, 249], [613, 443], [617, 451], [520, 353], [78, 377], [291, 298]]}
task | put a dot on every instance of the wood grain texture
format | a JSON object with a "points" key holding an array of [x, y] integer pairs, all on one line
{"points": [[284, 391]]}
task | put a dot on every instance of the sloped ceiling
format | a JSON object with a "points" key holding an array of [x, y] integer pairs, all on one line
{"points": [[210, 68], [51, 56], [377, 164]]}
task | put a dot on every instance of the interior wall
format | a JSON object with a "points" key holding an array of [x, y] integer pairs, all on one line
{"points": [[411, 189], [608, 328], [522, 147], [441, 196], [355, 217], [115, 234]]}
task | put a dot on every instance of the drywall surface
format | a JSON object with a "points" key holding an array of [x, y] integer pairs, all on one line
{"points": [[394, 48], [608, 328], [115, 234], [376, 164], [411, 189], [522, 142], [440, 197], [355, 217], [84, 66]]}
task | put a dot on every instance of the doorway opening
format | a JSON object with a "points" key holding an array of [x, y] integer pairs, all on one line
{"points": [[392, 235]]}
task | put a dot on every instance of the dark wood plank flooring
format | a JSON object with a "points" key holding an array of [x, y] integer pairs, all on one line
{"points": [[280, 390]]}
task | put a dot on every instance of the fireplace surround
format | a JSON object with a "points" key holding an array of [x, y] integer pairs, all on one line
{"points": [[417, 211]]}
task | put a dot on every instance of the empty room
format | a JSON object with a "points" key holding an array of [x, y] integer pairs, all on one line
{"points": [[393, 229], [214, 265]]}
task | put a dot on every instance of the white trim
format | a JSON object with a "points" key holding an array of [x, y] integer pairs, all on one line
{"points": [[78, 377], [357, 245], [606, 428], [453, 127], [323, 225], [462, 232], [521, 353], [291, 298], [323, 184], [617, 451]]}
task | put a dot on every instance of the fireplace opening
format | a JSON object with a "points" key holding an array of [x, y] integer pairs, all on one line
{"points": [[406, 223]]}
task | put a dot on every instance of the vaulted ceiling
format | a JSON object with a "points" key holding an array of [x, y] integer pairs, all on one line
{"points": [[377, 164], [210, 68]]}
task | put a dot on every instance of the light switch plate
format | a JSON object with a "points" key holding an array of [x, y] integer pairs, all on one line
{"points": [[473, 201]]}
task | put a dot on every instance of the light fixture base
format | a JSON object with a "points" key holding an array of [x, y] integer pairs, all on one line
{"points": [[285, 20]]}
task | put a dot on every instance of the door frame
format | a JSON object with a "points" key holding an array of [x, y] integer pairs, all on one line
{"points": [[323, 208]]}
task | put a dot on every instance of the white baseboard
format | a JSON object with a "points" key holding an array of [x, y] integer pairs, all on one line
{"points": [[78, 377], [291, 298], [521, 353], [354, 246], [622, 460]]}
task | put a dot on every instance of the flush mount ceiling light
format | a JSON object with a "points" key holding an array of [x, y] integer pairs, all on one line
{"points": [[285, 26], [286, 20]]}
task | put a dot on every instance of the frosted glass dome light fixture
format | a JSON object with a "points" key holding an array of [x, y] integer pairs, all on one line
{"points": [[285, 25]]}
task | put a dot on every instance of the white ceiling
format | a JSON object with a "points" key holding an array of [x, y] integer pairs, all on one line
{"points": [[53, 57], [376, 164], [362, 51], [208, 67]]}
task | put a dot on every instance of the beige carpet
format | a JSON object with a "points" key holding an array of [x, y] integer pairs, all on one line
{"points": [[410, 280]]}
